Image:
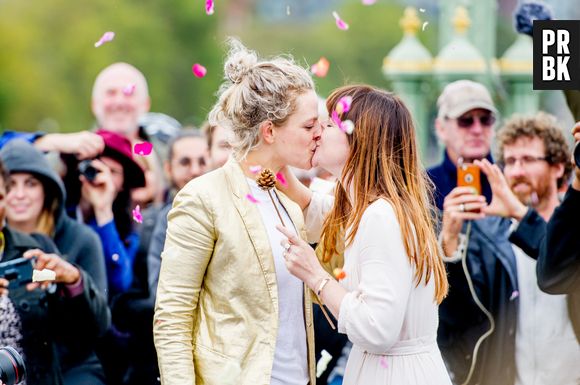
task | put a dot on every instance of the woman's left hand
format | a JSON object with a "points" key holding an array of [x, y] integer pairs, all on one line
{"points": [[301, 259], [65, 272]]}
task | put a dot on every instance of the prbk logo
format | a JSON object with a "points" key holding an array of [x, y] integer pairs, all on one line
{"points": [[556, 54]]}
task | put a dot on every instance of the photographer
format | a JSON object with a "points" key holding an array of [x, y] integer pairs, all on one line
{"points": [[558, 266], [40, 319]]}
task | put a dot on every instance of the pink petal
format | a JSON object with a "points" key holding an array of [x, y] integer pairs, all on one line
{"points": [[129, 89], [383, 362], [137, 217], [343, 105], [107, 36], [515, 294], [251, 198], [336, 119], [339, 22], [320, 68], [255, 169], [209, 7], [281, 179], [143, 149], [198, 70], [368, 2]]}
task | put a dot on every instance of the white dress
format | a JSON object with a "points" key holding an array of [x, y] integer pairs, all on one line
{"points": [[391, 322]]}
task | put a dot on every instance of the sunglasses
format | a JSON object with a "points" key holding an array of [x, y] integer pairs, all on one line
{"points": [[467, 121]]}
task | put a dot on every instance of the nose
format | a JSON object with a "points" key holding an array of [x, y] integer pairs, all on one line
{"points": [[476, 128], [17, 191]]}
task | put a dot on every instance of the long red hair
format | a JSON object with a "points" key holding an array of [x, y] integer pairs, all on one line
{"points": [[384, 163]]}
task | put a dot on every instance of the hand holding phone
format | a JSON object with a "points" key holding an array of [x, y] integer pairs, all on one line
{"points": [[469, 175], [18, 272]]}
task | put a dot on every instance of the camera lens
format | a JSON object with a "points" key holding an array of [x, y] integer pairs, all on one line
{"points": [[577, 154], [12, 370]]}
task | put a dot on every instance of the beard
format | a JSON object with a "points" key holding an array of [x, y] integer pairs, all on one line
{"points": [[528, 193]]}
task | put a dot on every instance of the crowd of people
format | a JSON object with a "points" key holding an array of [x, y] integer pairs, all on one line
{"points": [[211, 261]]}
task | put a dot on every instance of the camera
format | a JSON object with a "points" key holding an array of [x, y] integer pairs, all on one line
{"points": [[577, 154], [88, 170], [12, 369], [17, 271]]}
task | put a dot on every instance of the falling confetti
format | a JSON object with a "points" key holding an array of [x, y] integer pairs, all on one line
{"points": [[383, 362], [255, 169], [107, 36], [424, 26], [341, 24], [368, 2], [251, 198], [421, 9], [343, 105], [209, 7], [339, 273], [515, 294], [143, 149], [129, 90], [280, 177], [198, 70], [320, 68], [137, 217], [322, 363]]}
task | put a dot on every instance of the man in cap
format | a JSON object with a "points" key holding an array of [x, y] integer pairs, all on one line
{"points": [[464, 125]]}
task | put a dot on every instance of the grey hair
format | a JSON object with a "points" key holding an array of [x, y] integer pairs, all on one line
{"points": [[255, 91]]}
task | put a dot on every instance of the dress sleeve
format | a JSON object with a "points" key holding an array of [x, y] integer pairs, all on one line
{"points": [[188, 248], [372, 315], [320, 205]]}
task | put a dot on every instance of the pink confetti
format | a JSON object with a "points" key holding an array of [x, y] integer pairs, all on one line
{"points": [[383, 362], [343, 105], [129, 90], [280, 177], [198, 70], [137, 217], [341, 24], [255, 169], [368, 2], [335, 118], [209, 7], [143, 149], [107, 36], [320, 68], [515, 294], [251, 198]]}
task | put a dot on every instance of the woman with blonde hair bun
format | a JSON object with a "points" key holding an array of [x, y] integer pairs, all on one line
{"points": [[227, 310]]}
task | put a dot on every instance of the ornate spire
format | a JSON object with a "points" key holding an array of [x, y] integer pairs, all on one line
{"points": [[410, 22]]}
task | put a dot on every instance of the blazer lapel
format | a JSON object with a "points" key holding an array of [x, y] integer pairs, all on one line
{"points": [[253, 225]]}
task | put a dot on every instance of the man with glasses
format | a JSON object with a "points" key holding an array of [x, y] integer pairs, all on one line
{"points": [[526, 336], [464, 125]]}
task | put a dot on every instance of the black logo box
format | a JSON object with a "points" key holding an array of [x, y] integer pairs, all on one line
{"points": [[573, 28]]}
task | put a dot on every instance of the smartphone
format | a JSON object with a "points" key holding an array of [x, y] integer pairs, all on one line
{"points": [[18, 271], [469, 175]]}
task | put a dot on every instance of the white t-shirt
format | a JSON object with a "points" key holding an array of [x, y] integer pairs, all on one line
{"points": [[291, 355]]}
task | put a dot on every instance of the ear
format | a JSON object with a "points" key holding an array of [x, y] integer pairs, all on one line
{"points": [[267, 131], [146, 105], [558, 170], [167, 169], [440, 130]]}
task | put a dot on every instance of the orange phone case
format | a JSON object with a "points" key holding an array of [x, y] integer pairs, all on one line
{"points": [[468, 174]]}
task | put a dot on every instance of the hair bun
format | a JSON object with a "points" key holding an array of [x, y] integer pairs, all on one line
{"points": [[239, 62]]}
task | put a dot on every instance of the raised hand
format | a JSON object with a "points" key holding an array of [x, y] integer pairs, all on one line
{"points": [[65, 272]]}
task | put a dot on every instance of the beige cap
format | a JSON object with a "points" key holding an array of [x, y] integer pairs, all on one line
{"points": [[461, 96]]}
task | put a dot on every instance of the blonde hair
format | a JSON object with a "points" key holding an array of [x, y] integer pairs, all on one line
{"points": [[255, 91], [384, 163]]}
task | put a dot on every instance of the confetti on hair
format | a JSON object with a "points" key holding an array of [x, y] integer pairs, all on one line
{"points": [[137, 217], [347, 126], [322, 363], [107, 36], [280, 177], [515, 294], [339, 273], [143, 149], [252, 199], [255, 169], [335, 118], [424, 26], [320, 68], [383, 362], [129, 90], [343, 105], [341, 24], [198, 70], [368, 2], [209, 7]]}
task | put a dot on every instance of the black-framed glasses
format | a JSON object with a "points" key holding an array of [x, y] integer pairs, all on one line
{"points": [[524, 161], [467, 121]]}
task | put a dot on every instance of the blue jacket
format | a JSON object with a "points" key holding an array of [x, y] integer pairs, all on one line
{"points": [[444, 176]]}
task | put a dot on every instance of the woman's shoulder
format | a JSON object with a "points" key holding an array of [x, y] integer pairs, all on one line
{"points": [[380, 208]]}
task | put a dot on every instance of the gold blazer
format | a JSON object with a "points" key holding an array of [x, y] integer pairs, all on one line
{"points": [[216, 316]]}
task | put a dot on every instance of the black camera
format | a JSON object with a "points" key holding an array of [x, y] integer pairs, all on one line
{"points": [[17, 272], [12, 369], [577, 154], [88, 170]]}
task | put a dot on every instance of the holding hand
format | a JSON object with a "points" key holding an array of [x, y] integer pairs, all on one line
{"points": [[3, 286], [65, 272]]}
